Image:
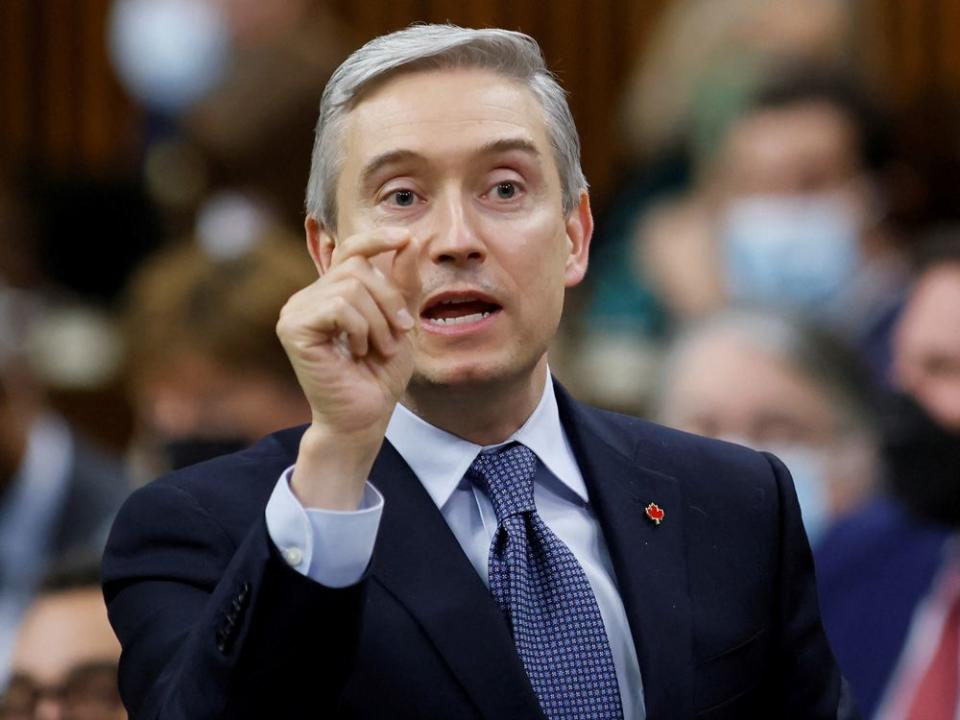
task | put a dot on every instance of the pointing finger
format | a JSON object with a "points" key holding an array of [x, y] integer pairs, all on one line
{"points": [[405, 273], [370, 244]]}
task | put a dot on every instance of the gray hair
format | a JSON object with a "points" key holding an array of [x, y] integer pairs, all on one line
{"points": [[424, 47], [816, 353]]}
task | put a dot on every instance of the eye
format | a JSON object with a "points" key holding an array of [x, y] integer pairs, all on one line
{"points": [[506, 190], [403, 198]]}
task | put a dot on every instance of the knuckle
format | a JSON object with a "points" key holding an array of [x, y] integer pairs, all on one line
{"points": [[339, 304]]}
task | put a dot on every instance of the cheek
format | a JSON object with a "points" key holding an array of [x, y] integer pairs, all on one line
{"points": [[535, 245]]}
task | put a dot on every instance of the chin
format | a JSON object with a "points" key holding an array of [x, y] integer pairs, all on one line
{"points": [[470, 370]]}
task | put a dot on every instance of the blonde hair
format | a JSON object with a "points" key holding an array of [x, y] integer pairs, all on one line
{"points": [[184, 299]]}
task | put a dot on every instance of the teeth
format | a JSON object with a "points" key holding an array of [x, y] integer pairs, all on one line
{"points": [[474, 317]]}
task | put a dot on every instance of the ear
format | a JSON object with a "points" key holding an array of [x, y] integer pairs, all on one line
{"points": [[320, 244], [579, 227]]}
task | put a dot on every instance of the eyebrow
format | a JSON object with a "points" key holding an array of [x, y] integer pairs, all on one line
{"points": [[494, 147]]}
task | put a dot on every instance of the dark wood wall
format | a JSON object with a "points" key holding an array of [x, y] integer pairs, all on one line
{"points": [[61, 108]]}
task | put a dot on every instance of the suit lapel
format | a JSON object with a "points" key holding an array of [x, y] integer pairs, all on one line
{"points": [[418, 559], [648, 559]]}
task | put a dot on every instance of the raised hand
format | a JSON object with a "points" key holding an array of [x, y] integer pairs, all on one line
{"points": [[348, 338]]}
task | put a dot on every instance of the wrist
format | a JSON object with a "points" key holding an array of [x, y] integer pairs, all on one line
{"points": [[332, 469]]}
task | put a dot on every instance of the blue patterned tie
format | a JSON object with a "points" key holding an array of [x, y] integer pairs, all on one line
{"points": [[546, 596]]}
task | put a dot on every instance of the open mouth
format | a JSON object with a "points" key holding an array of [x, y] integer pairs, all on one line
{"points": [[451, 311]]}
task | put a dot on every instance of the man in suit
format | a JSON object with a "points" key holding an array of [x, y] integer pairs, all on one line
{"points": [[58, 494], [890, 574], [453, 536]]}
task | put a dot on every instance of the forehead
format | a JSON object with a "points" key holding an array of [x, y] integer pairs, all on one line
{"points": [[443, 113], [933, 313], [807, 141], [722, 372], [64, 630]]}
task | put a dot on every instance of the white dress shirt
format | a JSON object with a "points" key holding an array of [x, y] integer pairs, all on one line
{"points": [[334, 548]]}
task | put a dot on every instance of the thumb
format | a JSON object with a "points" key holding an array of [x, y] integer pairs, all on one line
{"points": [[406, 275]]}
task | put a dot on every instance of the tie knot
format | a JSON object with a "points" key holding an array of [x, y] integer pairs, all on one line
{"points": [[506, 475]]}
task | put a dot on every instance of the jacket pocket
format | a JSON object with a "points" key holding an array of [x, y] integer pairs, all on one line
{"points": [[731, 674]]}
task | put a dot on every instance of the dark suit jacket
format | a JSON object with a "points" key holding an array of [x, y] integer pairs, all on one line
{"points": [[720, 597], [874, 569]]}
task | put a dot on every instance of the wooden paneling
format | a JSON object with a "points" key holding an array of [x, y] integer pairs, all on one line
{"points": [[61, 107]]}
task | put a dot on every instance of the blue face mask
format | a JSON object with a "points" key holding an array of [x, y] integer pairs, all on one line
{"points": [[797, 252]]}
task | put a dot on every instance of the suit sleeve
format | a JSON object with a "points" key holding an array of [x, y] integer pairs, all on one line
{"points": [[215, 629], [808, 681]]}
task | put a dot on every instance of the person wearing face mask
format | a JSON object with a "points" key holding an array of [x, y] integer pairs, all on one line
{"points": [[772, 382], [890, 584], [790, 213], [206, 373], [927, 340]]}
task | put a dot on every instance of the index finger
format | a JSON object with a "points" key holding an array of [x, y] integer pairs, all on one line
{"points": [[370, 244]]}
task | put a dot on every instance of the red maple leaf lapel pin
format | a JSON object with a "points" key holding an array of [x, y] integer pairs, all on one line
{"points": [[655, 513]]}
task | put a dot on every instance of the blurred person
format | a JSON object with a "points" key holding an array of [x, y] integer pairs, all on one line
{"points": [[695, 38], [790, 213], [715, 55], [889, 577], [207, 374], [453, 535], [230, 90], [774, 383], [927, 338], [65, 660], [58, 494]]}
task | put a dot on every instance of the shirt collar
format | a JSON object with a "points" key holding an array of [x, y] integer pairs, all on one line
{"points": [[441, 459]]}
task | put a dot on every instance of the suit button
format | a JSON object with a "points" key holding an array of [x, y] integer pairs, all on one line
{"points": [[293, 556], [244, 591]]}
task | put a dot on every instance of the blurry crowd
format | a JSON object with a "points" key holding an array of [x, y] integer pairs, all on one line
{"points": [[779, 270], [773, 270]]}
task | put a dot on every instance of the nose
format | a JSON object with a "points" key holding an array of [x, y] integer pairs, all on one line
{"points": [[454, 237]]}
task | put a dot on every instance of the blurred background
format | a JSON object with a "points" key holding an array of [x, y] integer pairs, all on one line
{"points": [[776, 263]]}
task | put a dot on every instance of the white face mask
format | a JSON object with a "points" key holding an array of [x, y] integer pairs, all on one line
{"points": [[169, 53], [793, 251]]}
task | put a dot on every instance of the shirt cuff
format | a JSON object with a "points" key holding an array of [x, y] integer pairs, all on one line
{"points": [[330, 547]]}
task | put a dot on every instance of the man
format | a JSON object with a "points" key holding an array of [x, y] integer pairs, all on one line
{"points": [[927, 341], [65, 661], [773, 382], [58, 494], [890, 575], [506, 552], [790, 213]]}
